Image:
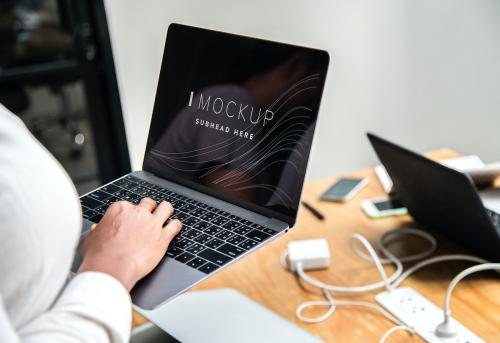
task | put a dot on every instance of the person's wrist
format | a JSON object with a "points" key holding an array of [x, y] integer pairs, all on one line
{"points": [[122, 268]]}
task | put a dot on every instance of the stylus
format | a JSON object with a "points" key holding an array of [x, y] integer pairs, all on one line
{"points": [[314, 211]]}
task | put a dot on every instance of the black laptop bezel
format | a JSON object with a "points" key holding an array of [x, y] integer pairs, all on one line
{"points": [[290, 220]]}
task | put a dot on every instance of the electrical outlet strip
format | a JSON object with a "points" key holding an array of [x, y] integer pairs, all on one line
{"points": [[419, 313]]}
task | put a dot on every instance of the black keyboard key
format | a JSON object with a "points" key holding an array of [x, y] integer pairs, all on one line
{"points": [[214, 256], [89, 202], [198, 212], [110, 200], [190, 221], [203, 238], [138, 189], [192, 233], [224, 234], [177, 238], [246, 222], [134, 198], [158, 197], [230, 250], [201, 225], [231, 225], [144, 193], [224, 214], [208, 267], [124, 183], [123, 194], [257, 235], [208, 216], [96, 219], [101, 209], [89, 213], [111, 188], [184, 257], [264, 229], [269, 231], [236, 239], [176, 203], [196, 262], [187, 208], [183, 244], [132, 178], [174, 251], [213, 230], [242, 230], [214, 243], [180, 215], [219, 221], [195, 248], [248, 244]]}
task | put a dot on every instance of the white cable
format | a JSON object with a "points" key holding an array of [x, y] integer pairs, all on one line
{"points": [[332, 304], [389, 236], [394, 329], [433, 260], [356, 289], [458, 278], [390, 282]]}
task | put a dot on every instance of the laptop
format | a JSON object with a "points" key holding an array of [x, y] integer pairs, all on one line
{"points": [[441, 199], [228, 145]]}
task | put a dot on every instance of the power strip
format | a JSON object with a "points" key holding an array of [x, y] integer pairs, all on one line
{"points": [[419, 313]]}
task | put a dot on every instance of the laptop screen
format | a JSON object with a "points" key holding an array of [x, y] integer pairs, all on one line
{"points": [[234, 117]]}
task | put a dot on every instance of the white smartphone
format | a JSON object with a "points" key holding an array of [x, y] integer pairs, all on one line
{"points": [[383, 207], [344, 189]]}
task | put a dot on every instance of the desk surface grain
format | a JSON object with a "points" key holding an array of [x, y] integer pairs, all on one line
{"points": [[475, 302]]}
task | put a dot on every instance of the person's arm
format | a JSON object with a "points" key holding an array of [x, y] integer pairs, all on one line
{"points": [[95, 306]]}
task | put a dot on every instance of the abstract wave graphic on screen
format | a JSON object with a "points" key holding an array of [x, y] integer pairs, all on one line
{"points": [[238, 163]]}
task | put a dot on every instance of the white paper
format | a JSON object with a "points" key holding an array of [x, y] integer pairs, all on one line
{"points": [[491, 199], [470, 164]]}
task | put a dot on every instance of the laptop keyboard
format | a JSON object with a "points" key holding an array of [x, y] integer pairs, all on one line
{"points": [[495, 219], [209, 238]]}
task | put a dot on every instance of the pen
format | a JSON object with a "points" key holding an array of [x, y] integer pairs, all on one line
{"points": [[314, 211]]}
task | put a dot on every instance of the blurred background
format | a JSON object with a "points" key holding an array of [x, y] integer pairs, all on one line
{"points": [[57, 74], [426, 74]]}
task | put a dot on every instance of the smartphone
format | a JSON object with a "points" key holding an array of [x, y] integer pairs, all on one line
{"points": [[344, 189], [383, 207]]}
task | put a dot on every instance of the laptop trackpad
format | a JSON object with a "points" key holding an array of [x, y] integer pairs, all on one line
{"points": [[167, 280], [491, 199]]}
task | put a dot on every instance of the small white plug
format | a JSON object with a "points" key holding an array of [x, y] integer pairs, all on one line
{"points": [[311, 253], [446, 329]]}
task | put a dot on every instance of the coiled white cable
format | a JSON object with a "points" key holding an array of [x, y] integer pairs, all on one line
{"points": [[386, 281], [394, 329], [332, 304], [389, 283], [388, 237]]}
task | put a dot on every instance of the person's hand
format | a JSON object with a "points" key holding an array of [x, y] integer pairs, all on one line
{"points": [[130, 240]]}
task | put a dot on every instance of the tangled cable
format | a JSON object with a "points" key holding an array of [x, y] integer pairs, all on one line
{"points": [[389, 282]]}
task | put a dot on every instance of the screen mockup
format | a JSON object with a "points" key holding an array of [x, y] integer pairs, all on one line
{"points": [[234, 116]]}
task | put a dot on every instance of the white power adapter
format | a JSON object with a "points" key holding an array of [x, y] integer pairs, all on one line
{"points": [[311, 253]]}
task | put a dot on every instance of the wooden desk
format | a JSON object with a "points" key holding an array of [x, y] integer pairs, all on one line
{"points": [[476, 301]]}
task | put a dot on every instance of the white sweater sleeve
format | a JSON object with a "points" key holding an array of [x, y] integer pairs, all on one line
{"points": [[94, 307]]}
